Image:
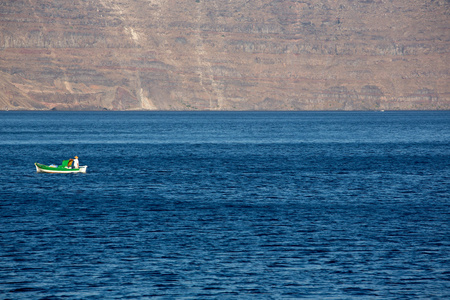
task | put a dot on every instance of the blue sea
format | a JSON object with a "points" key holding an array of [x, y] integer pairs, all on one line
{"points": [[226, 205]]}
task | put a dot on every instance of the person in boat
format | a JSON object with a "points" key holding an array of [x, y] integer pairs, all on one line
{"points": [[76, 164]]}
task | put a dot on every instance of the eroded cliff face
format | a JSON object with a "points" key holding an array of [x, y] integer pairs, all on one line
{"points": [[225, 55]]}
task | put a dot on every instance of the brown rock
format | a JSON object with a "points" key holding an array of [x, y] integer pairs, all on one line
{"points": [[224, 55]]}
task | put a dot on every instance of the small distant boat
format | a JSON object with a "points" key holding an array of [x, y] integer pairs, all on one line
{"points": [[63, 168]]}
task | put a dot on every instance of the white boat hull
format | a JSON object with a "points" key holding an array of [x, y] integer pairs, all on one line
{"points": [[81, 169]]}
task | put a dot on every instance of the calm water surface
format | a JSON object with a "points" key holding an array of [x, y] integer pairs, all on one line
{"points": [[176, 205]]}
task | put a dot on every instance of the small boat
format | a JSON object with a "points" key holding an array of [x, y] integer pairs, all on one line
{"points": [[63, 168]]}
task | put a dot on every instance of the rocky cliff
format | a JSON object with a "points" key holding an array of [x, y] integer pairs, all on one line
{"points": [[225, 54]]}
